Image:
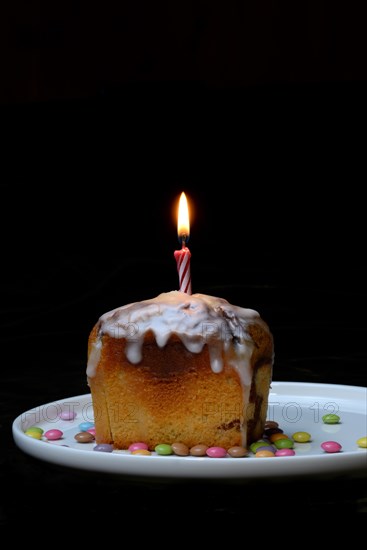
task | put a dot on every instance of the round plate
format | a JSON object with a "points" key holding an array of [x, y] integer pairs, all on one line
{"points": [[295, 406]]}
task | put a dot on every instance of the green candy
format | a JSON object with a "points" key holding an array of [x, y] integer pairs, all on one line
{"points": [[330, 419], [284, 444], [163, 449]]}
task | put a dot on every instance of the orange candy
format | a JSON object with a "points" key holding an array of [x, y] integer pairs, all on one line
{"points": [[141, 452], [261, 454]]}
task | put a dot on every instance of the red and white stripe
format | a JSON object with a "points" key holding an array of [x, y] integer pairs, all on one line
{"points": [[183, 267]]}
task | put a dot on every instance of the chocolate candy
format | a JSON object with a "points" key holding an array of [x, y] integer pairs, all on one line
{"points": [[271, 424], [362, 442], [237, 452], [198, 450], [84, 437], [180, 449]]}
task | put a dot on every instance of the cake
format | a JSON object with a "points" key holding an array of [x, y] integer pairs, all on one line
{"points": [[180, 368]]}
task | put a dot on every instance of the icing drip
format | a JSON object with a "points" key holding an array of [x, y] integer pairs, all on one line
{"points": [[197, 319], [94, 357]]}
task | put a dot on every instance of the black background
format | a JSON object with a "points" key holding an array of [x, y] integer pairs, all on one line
{"points": [[108, 113]]}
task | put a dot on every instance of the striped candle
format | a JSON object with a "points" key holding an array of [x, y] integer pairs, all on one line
{"points": [[183, 267], [183, 256]]}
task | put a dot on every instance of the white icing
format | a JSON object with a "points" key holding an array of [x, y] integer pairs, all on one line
{"points": [[197, 319], [94, 357]]}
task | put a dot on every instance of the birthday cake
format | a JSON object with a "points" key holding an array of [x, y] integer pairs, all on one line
{"points": [[192, 369]]}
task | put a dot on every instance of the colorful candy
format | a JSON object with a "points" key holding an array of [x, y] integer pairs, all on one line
{"points": [[237, 452], [103, 448], [67, 415], [198, 450], [142, 452], [180, 449], [271, 424], [362, 442], [163, 449], [53, 434], [264, 454], [84, 426], [331, 419], [84, 437], [276, 436], [34, 432], [259, 443], [265, 447], [216, 452], [284, 444], [301, 437], [138, 445], [270, 431], [285, 452], [35, 429], [331, 446]]}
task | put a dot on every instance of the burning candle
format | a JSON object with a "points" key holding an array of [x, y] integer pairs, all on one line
{"points": [[183, 256]]}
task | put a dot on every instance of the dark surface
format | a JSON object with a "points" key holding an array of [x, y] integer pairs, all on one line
{"points": [[106, 117]]}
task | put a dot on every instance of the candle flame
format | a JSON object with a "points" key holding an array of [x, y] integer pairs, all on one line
{"points": [[183, 224]]}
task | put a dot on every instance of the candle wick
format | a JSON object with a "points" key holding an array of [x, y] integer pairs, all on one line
{"points": [[183, 239]]}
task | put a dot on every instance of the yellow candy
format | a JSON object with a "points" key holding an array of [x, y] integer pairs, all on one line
{"points": [[301, 437], [362, 442], [33, 433], [35, 429]]}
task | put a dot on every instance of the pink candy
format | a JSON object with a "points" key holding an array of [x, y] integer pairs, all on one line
{"points": [[216, 452], [284, 452], [137, 446], [331, 446], [67, 415], [53, 434]]}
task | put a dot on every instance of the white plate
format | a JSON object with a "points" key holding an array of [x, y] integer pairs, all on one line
{"points": [[295, 406]]}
